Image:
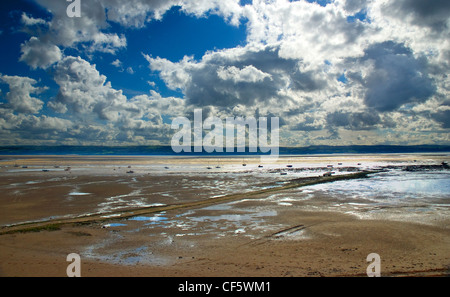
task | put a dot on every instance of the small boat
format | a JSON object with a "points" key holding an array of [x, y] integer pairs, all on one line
{"points": [[131, 171], [289, 166], [283, 173], [260, 166], [208, 167]]}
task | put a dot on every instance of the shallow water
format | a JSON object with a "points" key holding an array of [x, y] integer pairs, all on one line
{"points": [[421, 197], [394, 186]]}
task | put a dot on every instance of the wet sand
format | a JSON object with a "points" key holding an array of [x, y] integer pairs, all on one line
{"points": [[268, 235]]}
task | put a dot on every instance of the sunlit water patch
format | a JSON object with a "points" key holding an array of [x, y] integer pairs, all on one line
{"points": [[394, 185], [79, 194], [396, 194]]}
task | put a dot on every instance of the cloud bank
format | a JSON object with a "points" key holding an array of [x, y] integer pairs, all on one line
{"points": [[344, 72]]}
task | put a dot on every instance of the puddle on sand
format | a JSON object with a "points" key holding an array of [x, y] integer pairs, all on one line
{"points": [[238, 222], [114, 225], [79, 194], [32, 182], [145, 218], [220, 220], [150, 220], [139, 255], [117, 248], [243, 217]]}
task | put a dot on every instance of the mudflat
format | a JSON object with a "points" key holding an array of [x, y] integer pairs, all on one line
{"points": [[323, 230]]}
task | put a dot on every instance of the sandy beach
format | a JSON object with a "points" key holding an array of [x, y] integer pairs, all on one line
{"points": [[265, 230]]}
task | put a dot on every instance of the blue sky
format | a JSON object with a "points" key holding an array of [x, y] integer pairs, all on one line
{"points": [[173, 38], [335, 72]]}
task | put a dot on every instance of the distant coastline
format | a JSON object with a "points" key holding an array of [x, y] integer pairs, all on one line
{"points": [[167, 150]]}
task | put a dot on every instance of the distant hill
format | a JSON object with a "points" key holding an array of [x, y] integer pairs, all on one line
{"points": [[364, 149], [167, 150]]}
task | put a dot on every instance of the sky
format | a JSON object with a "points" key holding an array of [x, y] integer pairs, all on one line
{"points": [[335, 72]]}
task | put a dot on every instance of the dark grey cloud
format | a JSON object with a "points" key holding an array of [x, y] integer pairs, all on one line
{"points": [[432, 13], [306, 105], [353, 6], [398, 77], [249, 78], [353, 121], [442, 117], [307, 125]]}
